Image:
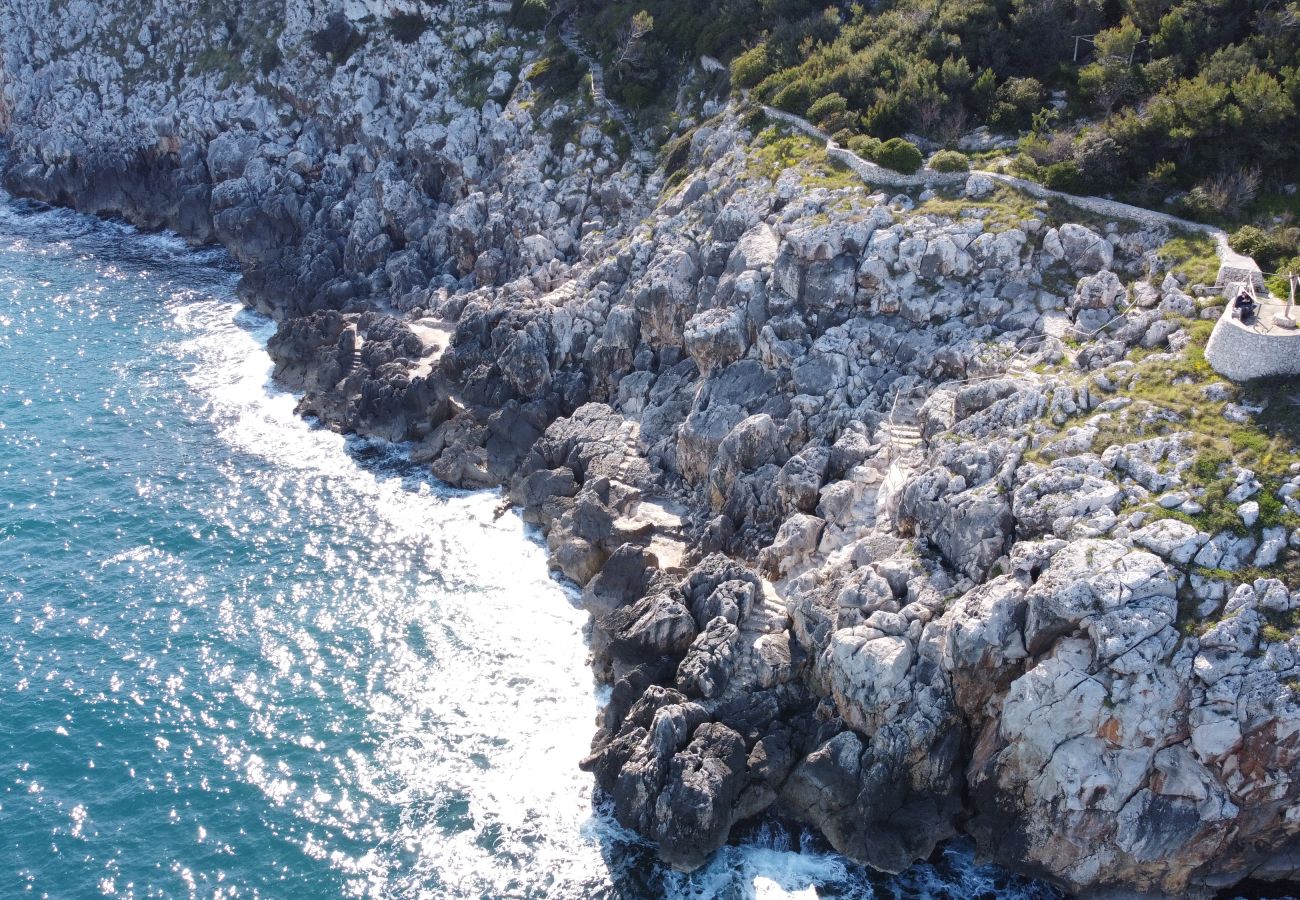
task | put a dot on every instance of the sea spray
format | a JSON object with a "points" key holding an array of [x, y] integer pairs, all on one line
{"points": [[244, 656]]}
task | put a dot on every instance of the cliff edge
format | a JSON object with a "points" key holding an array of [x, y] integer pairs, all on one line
{"points": [[903, 513]]}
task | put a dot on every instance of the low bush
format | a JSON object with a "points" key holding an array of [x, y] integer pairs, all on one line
{"points": [[530, 14], [406, 28], [795, 96], [558, 73], [1017, 99], [1249, 240], [899, 155], [826, 106], [949, 161], [1063, 176], [864, 145], [1274, 250], [751, 67]]}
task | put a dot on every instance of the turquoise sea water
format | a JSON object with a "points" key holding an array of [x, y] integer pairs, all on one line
{"points": [[244, 657]]}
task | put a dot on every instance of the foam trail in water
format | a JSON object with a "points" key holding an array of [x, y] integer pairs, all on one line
{"points": [[349, 679]]}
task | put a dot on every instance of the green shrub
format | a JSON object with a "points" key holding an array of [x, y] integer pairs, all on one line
{"points": [[1271, 510], [1250, 441], [864, 145], [1249, 240], [636, 95], [1206, 467], [676, 153], [826, 106], [1099, 159], [531, 14], [1271, 634], [1216, 89], [847, 122], [754, 121], [1272, 249], [1025, 166], [751, 67], [406, 28], [1017, 100], [1063, 176], [949, 161], [794, 97], [556, 74], [899, 155]]}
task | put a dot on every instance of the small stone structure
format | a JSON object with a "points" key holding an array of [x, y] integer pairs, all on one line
{"points": [[1239, 351], [1235, 350], [1235, 270]]}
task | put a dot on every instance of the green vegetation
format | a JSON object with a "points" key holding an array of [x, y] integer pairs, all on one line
{"points": [[1280, 627], [1276, 249], [1002, 209], [895, 153], [949, 161], [1192, 255], [1194, 100], [775, 151], [557, 74], [530, 14], [406, 28], [1266, 446]]}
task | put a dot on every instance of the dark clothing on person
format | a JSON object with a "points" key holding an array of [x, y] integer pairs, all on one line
{"points": [[1245, 306]]}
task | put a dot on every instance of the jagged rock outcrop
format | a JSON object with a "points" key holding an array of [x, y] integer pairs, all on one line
{"points": [[848, 558]]}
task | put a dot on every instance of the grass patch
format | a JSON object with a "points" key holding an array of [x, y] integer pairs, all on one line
{"points": [[824, 172], [776, 151], [1193, 256], [1280, 627], [1005, 208], [1167, 394]]}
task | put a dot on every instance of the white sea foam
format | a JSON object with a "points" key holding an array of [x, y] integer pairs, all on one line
{"points": [[389, 668], [522, 681]]}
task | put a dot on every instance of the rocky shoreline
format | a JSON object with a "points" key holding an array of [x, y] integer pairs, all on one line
{"points": [[864, 490]]}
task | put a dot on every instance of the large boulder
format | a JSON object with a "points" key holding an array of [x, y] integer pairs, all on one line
{"points": [[1084, 250]]}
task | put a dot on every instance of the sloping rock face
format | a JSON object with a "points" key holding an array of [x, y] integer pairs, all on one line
{"points": [[698, 392], [337, 162]]}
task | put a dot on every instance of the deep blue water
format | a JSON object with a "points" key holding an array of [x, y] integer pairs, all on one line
{"points": [[243, 657]]}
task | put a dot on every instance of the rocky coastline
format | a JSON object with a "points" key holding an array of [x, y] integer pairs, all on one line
{"points": [[881, 517]]}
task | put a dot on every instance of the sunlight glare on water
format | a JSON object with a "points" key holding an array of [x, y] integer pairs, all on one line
{"points": [[241, 656]]}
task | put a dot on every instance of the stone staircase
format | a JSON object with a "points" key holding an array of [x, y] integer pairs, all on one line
{"points": [[632, 467], [1019, 368], [902, 436], [762, 647], [901, 432], [352, 360], [570, 39]]}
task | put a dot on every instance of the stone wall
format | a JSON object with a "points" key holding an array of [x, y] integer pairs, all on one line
{"points": [[1241, 353], [1100, 206]]}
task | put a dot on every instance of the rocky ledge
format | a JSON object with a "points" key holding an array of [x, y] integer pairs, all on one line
{"points": [[902, 515]]}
